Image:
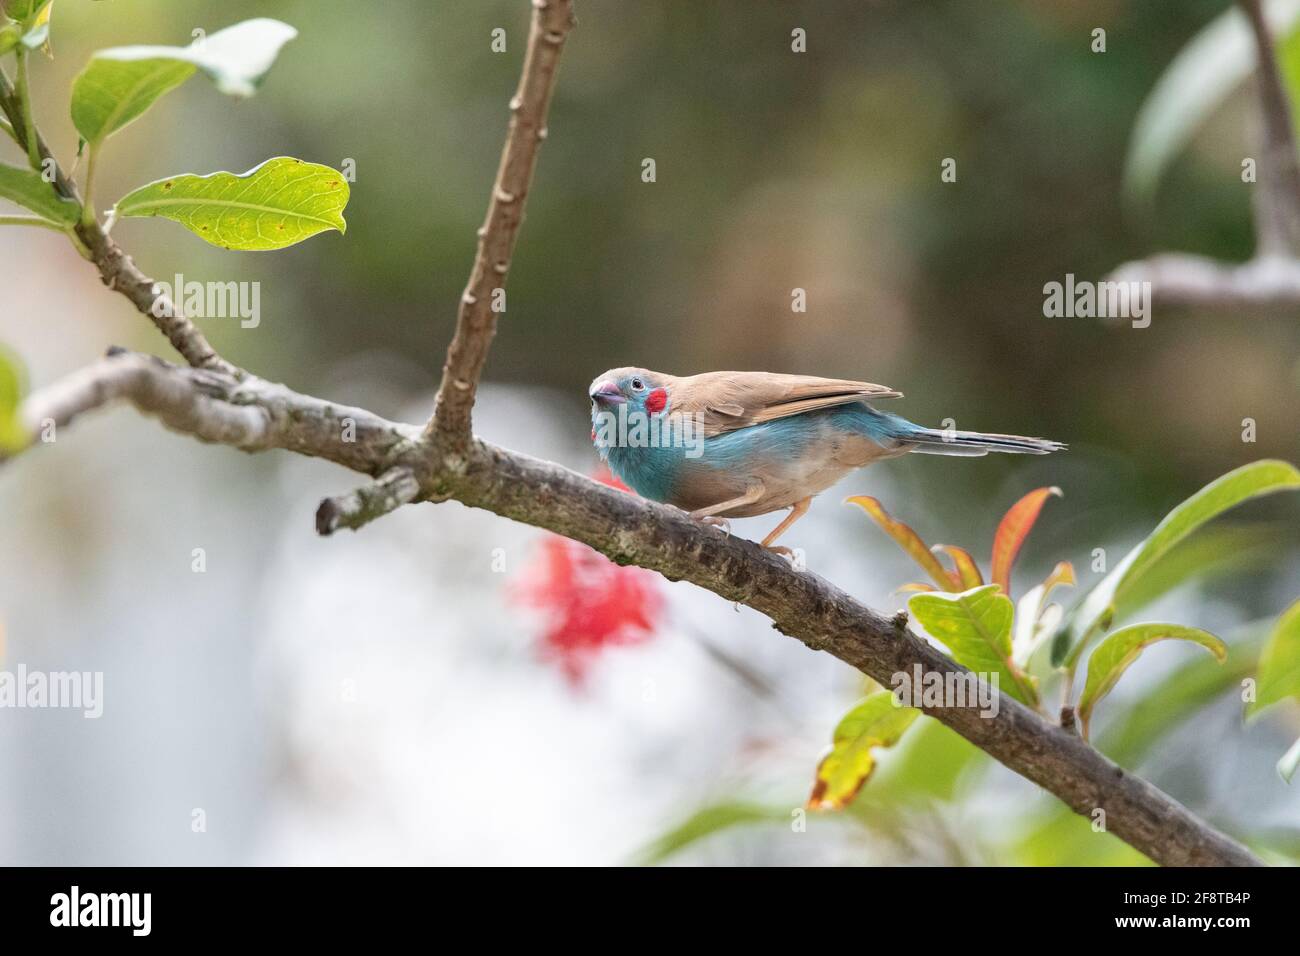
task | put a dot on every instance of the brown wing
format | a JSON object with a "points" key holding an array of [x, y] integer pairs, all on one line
{"points": [[726, 401]]}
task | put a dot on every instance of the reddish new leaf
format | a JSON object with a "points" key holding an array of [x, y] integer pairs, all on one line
{"points": [[968, 572], [914, 587], [1015, 527], [909, 541]]}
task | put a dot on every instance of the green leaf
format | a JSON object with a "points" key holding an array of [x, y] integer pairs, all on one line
{"points": [[281, 202], [975, 626], [1213, 64], [121, 83], [1096, 611], [1279, 663], [1220, 549], [37, 35], [22, 9], [13, 385], [10, 36], [707, 822], [109, 94], [26, 188], [1178, 696], [1113, 656], [931, 764], [876, 721], [1061, 837]]}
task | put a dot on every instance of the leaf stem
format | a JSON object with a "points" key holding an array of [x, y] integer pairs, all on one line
{"points": [[88, 188], [25, 106]]}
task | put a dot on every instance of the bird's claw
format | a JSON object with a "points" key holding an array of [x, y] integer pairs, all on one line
{"points": [[784, 552], [715, 522]]}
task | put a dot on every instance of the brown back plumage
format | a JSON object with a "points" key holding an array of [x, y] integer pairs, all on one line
{"points": [[725, 401]]}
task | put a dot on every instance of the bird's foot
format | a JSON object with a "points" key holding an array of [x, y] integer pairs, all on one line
{"points": [[787, 553], [715, 522]]}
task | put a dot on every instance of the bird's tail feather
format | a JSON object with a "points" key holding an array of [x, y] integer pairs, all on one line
{"points": [[932, 441]]}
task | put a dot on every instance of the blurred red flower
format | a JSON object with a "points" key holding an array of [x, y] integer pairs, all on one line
{"points": [[591, 603]]}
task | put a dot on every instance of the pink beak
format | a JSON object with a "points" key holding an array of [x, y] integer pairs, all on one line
{"points": [[607, 393]]}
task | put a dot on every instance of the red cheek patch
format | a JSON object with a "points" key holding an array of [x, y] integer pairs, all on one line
{"points": [[655, 401]]}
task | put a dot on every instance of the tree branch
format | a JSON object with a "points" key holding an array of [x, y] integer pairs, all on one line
{"points": [[386, 493], [1271, 279], [245, 412], [1277, 206], [216, 402], [476, 320], [1180, 280], [252, 415], [115, 267]]}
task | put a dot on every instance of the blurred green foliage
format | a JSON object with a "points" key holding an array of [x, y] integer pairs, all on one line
{"points": [[776, 170]]}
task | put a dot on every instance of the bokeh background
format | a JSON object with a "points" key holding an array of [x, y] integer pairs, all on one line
{"points": [[389, 696]]}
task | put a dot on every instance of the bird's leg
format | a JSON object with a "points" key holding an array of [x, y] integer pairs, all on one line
{"points": [[799, 509], [752, 494], [713, 521]]}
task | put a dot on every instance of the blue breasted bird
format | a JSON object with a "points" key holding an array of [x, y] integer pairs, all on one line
{"points": [[738, 444]]}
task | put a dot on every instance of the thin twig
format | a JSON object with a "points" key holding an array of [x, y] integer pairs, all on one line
{"points": [[116, 269], [1277, 211], [476, 319], [385, 494], [24, 120], [1186, 281], [1271, 280]]}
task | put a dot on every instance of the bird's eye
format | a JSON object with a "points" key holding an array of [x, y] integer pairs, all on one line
{"points": [[638, 385]]}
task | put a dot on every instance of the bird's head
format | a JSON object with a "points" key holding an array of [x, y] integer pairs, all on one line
{"points": [[625, 394], [638, 388]]}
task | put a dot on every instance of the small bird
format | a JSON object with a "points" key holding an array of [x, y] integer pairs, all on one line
{"points": [[738, 444]]}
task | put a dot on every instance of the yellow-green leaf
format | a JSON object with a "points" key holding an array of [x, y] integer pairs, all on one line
{"points": [[10, 35], [1113, 656], [26, 188], [975, 626], [1096, 611], [1279, 663], [13, 437], [876, 721], [121, 83], [281, 202]]}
